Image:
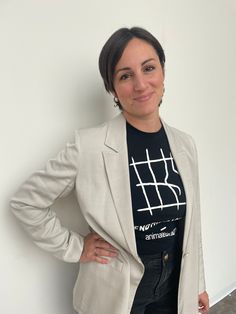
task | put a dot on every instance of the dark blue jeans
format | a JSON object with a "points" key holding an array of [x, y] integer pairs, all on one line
{"points": [[157, 292]]}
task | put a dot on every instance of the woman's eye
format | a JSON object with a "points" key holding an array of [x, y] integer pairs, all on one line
{"points": [[149, 68], [125, 76]]}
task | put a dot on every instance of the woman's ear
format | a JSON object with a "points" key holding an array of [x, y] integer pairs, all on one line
{"points": [[114, 94], [164, 72]]}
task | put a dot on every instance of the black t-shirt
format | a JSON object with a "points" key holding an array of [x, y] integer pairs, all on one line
{"points": [[158, 197]]}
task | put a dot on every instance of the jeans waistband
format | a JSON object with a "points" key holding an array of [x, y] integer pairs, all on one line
{"points": [[173, 253]]}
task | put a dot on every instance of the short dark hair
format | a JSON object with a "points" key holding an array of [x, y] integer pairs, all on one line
{"points": [[114, 48]]}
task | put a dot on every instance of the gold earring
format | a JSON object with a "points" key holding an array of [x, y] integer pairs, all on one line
{"points": [[116, 101]]}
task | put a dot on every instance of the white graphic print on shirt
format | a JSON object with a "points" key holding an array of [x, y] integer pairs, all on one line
{"points": [[156, 183]]}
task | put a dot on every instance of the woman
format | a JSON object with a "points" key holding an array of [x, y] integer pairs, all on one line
{"points": [[136, 181]]}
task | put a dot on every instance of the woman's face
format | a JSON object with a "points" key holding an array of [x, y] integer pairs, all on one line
{"points": [[139, 80]]}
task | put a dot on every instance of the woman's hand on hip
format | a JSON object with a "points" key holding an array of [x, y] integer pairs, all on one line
{"points": [[96, 249], [203, 302]]}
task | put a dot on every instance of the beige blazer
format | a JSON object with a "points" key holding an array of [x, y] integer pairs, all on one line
{"points": [[96, 167]]}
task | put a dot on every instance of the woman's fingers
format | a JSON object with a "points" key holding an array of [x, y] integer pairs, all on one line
{"points": [[101, 243], [96, 249], [101, 260], [103, 252], [203, 301]]}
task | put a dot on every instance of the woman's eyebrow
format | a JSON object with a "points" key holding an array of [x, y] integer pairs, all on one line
{"points": [[146, 61], [128, 68]]}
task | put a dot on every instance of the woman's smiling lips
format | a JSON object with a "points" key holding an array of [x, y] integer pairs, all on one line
{"points": [[143, 98]]}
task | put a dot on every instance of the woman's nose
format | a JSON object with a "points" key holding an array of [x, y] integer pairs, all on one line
{"points": [[139, 83]]}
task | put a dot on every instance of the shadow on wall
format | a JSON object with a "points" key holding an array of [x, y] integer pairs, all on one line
{"points": [[97, 106], [68, 211]]}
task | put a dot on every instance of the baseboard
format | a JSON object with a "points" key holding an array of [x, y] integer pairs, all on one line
{"points": [[222, 294]]}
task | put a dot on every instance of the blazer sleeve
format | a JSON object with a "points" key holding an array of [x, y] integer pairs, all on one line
{"points": [[31, 205], [202, 285]]}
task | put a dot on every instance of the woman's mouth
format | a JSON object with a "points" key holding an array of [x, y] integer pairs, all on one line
{"points": [[143, 98]]}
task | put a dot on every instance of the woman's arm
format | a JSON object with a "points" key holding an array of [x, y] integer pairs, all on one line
{"points": [[31, 205]]}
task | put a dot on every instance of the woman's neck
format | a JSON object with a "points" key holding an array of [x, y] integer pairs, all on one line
{"points": [[148, 124]]}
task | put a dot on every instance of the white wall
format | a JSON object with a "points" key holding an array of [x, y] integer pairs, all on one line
{"points": [[50, 85]]}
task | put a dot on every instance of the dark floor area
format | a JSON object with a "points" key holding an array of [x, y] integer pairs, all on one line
{"points": [[225, 306]]}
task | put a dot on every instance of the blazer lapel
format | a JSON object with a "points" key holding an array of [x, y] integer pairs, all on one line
{"points": [[116, 163], [183, 166]]}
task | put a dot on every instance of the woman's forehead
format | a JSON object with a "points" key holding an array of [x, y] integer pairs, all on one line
{"points": [[137, 51]]}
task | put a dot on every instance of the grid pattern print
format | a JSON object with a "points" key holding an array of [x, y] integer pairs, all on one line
{"points": [[175, 189]]}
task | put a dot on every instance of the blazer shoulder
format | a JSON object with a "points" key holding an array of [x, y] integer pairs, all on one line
{"points": [[181, 138], [181, 134], [93, 138]]}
